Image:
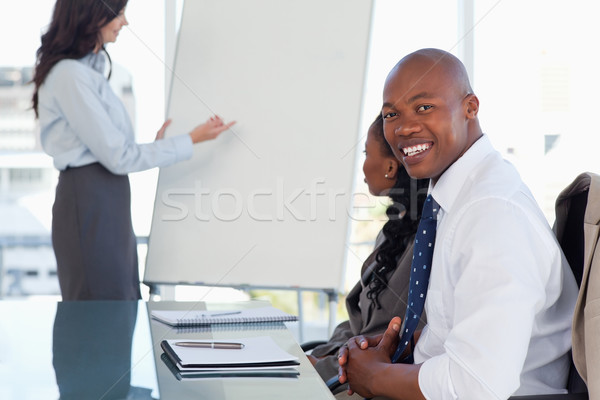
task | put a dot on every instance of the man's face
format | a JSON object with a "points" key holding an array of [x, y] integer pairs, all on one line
{"points": [[425, 119]]}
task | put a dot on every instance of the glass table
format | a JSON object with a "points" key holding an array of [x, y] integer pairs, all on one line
{"points": [[111, 350]]}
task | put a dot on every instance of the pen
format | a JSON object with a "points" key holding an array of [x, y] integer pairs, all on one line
{"points": [[211, 345], [220, 314]]}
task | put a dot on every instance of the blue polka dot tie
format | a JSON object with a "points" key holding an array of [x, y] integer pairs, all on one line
{"points": [[419, 276]]}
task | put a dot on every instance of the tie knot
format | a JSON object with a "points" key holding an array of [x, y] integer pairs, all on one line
{"points": [[430, 208]]}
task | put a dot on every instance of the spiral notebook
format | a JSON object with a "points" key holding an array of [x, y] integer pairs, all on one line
{"points": [[248, 326], [195, 317]]}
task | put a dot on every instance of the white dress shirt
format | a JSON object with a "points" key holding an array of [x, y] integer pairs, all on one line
{"points": [[501, 294], [82, 121]]}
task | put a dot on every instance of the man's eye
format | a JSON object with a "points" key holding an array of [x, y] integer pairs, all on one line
{"points": [[424, 108], [389, 115]]}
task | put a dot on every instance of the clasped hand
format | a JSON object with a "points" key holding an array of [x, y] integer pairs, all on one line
{"points": [[362, 358]]}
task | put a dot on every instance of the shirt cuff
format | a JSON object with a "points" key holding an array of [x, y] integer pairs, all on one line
{"points": [[184, 148], [434, 379]]}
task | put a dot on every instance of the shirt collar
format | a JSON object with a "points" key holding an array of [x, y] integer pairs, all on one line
{"points": [[449, 185], [96, 61]]}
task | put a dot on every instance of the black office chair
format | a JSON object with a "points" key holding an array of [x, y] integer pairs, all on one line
{"points": [[308, 346]]}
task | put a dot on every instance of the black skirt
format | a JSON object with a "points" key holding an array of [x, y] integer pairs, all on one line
{"points": [[92, 235]]}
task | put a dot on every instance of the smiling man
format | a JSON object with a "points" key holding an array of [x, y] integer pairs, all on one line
{"points": [[501, 294]]}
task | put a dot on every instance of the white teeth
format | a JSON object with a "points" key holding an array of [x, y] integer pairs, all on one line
{"points": [[411, 151]]}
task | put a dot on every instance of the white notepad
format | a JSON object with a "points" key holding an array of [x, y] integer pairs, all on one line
{"points": [[257, 354], [249, 315]]}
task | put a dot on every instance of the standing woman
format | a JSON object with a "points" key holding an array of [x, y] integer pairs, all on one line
{"points": [[86, 129]]}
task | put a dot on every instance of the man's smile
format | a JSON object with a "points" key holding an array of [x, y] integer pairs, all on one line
{"points": [[410, 151]]}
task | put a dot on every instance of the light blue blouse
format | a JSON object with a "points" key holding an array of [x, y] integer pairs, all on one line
{"points": [[82, 121]]}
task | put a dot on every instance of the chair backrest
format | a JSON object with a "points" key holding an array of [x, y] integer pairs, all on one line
{"points": [[572, 239], [576, 209]]}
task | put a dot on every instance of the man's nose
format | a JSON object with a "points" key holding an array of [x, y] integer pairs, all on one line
{"points": [[407, 127]]}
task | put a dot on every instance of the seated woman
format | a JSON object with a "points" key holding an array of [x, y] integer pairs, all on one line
{"points": [[382, 290]]}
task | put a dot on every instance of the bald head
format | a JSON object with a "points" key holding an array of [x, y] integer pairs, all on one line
{"points": [[429, 62]]}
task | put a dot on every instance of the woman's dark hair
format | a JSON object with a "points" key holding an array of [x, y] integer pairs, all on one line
{"points": [[408, 196], [73, 33]]}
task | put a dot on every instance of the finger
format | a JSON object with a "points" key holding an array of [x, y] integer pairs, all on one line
{"points": [[343, 355], [164, 126], [221, 125], [161, 132], [394, 325], [374, 340], [359, 341], [216, 120], [364, 342], [342, 375], [390, 336]]}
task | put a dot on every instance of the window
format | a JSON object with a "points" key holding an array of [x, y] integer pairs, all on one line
{"points": [[537, 81]]}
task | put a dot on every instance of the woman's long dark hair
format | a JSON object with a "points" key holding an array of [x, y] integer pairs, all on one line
{"points": [[73, 33], [408, 196]]}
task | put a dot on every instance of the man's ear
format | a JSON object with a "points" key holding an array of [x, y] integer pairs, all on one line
{"points": [[391, 168], [471, 106]]}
